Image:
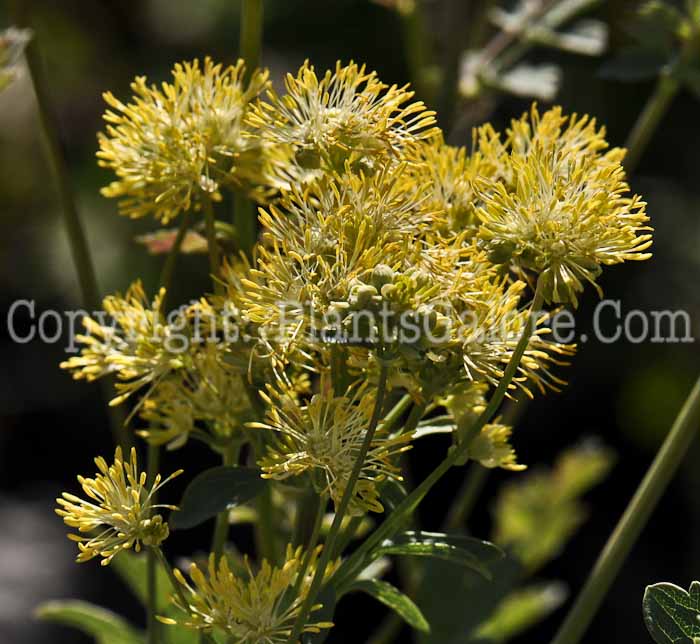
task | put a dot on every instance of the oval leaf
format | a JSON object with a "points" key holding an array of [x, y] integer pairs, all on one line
{"points": [[466, 551], [105, 626], [394, 599], [672, 615], [215, 490]]}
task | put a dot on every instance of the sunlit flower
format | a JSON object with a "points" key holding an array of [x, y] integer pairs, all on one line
{"points": [[346, 116], [173, 147], [324, 437], [139, 347], [121, 510], [567, 213], [256, 608]]}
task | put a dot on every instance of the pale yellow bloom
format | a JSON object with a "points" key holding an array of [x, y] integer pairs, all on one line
{"points": [[120, 512], [173, 147], [567, 212], [324, 437], [252, 609]]}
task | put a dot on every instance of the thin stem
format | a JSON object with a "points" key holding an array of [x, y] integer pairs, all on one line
{"points": [[177, 586], [214, 257], [307, 509], [152, 624], [251, 35], [229, 457], [311, 544], [80, 251], [467, 497], [667, 86], [397, 411], [168, 270], [395, 520], [633, 521], [250, 50], [265, 533], [342, 507], [417, 49]]}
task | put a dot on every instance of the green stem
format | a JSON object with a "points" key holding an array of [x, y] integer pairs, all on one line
{"points": [[467, 497], [265, 540], [417, 50], [307, 509], [168, 270], [311, 543], [214, 257], [633, 521], [229, 457], [250, 50], [397, 411], [667, 86], [80, 251], [251, 35], [342, 507], [351, 566], [152, 624]]}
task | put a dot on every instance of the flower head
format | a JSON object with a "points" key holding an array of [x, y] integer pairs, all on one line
{"points": [[567, 212], [324, 437], [139, 346], [121, 510], [256, 608], [174, 146], [346, 116]]}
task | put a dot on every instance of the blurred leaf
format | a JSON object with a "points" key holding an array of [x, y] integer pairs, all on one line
{"points": [[671, 614], [633, 64], [394, 599], [520, 610], [132, 569], [465, 551], [464, 600], [105, 626], [214, 491], [586, 38], [537, 514], [527, 80]]}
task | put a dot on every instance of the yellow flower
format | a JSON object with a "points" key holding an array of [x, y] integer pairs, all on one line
{"points": [[324, 437], [491, 448], [12, 44], [173, 147], [254, 609], [121, 510], [140, 347], [444, 177], [346, 116], [206, 390], [567, 212]]}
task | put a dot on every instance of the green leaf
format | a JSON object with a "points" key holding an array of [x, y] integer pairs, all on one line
{"points": [[465, 551], [465, 598], [671, 614], [105, 626], [214, 491], [394, 599], [132, 569]]}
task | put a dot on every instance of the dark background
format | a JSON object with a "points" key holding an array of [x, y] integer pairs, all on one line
{"points": [[51, 428]]}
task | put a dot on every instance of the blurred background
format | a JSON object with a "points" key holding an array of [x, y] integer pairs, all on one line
{"points": [[624, 394]]}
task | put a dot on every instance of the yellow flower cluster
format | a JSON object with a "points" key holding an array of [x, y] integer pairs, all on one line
{"points": [[120, 510], [380, 245], [249, 609]]}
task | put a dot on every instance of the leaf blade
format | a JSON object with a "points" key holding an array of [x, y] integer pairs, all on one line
{"points": [[215, 490], [394, 599]]}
